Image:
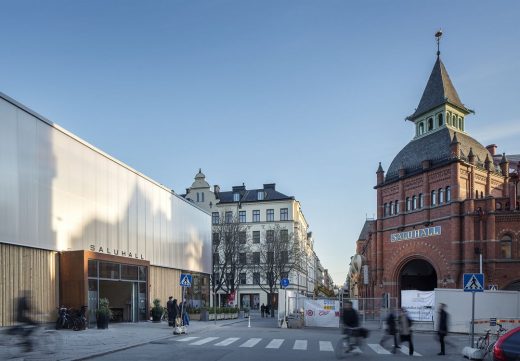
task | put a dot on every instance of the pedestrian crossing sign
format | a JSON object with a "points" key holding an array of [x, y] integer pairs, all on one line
{"points": [[185, 280], [473, 282]]}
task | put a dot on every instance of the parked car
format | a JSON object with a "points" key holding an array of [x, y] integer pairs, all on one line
{"points": [[507, 348]]}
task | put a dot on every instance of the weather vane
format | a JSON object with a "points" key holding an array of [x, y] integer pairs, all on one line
{"points": [[438, 35]]}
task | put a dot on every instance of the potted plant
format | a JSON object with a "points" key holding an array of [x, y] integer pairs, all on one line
{"points": [[157, 310], [103, 314]]}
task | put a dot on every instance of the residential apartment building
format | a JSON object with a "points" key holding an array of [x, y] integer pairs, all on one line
{"points": [[259, 212]]}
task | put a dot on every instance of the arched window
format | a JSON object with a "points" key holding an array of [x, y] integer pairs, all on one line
{"points": [[441, 196], [505, 246], [385, 210], [476, 194], [421, 128], [481, 194], [430, 124], [454, 121], [198, 197], [202, 196], [396, 211], [461, 124], [391, 208], [421, 200], [439, 120], [434, 198], [414, 202], [448, 118], [408, 204], [448, 194]]}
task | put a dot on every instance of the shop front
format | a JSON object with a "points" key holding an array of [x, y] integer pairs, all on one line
{"points": [[87, 277]]}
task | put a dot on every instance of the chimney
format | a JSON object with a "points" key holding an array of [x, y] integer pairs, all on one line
{"points": [[492, 148], [270, 186]]}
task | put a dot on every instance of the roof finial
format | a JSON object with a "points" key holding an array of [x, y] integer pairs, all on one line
{"points": [[438, 35]]}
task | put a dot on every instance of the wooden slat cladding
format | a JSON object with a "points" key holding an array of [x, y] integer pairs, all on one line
{"points": [[164, 282], [36, 270]]}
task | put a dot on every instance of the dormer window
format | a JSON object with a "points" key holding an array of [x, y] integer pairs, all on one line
{"points": [[454, 121], [421, 128], [236, 197], [260, 195], [430, 124]]}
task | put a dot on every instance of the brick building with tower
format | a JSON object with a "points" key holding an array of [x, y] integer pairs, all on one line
{"points": [[444, 200]]}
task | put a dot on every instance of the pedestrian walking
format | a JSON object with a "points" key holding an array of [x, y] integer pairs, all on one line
{"points": [[443, 327], [185, 315], [176, 314], [391, 331], [169, 308], [267, 310], [405, 329], [262, 310]]}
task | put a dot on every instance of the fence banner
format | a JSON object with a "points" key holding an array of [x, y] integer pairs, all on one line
{"points": [[322, 313], [418, 304]]}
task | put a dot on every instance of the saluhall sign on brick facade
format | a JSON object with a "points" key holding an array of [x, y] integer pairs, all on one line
{"points": [[417, 233]]}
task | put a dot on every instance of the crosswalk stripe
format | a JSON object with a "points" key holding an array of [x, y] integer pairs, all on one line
{"points": [[406, 350], [275, 343], [326, 346], [300, 345], [227, 341], [187, 339], [251, 342], [204, 340], [379, 349]]}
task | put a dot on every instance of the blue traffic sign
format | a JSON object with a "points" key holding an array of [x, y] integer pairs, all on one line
{"points": [[284, 282], [473, 282], [185, 280]]}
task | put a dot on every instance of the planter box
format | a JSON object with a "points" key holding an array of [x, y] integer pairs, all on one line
{"points": [[204, 316], [234, 315], [220, 316], [211, 317], [194, 316]]}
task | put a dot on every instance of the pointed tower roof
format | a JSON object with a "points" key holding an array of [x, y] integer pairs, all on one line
{"points": [[439, 90], [455, 140], [380, 168]]}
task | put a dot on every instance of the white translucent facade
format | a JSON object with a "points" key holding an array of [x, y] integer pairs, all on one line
{"points": [[59, 193]]}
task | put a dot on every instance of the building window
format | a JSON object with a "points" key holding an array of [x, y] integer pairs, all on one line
{"points": [[214, 218], [430, 124], [414, 202], [242, 238], [269, 235], [434, 198], [391, 208], [242, 259], [260, 195], [439, 120], [284, 214], [256, 278], [396, 205], [198, 200], [421, 128], [462, 124], [441, 196], [454, 120], [236, 197], [242, 216], [285, 257], [215, 238], [408, 204], [269, 215], [256, 236], [448, 194], [256, 257], [421, 200], [385, 210], [505, 246], [256, 216], [481, 194], [229, 217], [242, 278], [284, 235], [476, 194], [202, 197]]}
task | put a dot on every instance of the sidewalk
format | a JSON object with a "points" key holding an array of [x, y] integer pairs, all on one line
{"points": [[83, 345]]}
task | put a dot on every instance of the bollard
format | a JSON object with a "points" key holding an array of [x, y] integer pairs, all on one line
{"points": [[249, 321]]}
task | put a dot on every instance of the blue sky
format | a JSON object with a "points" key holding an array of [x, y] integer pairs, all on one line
{"points": [[310, 95]]}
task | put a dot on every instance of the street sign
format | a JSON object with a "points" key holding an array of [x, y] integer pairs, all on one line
{"points": [[473, 282], [493, 287], [284, 282], [185, 280], [493, 321]]}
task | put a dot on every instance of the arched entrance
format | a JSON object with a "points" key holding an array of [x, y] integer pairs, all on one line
{"points": [[513, 286], [419, 275]]}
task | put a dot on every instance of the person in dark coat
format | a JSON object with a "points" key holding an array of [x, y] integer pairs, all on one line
{"points": [[391, 330], [169, 308], [350, 316], [443, 327], [262, 310], [175, 311], [23, 311]]}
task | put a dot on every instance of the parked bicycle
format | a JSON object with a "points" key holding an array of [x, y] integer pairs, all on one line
{"points": [[29, 342], [485, 343], [69, 318]]}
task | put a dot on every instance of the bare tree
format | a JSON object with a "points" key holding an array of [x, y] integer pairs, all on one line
{"points": [[279, 254], [229, 240]]}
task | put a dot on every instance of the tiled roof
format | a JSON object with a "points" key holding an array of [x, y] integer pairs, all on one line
{"points": [[439, 90], [251, 195], [436, 148]]}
